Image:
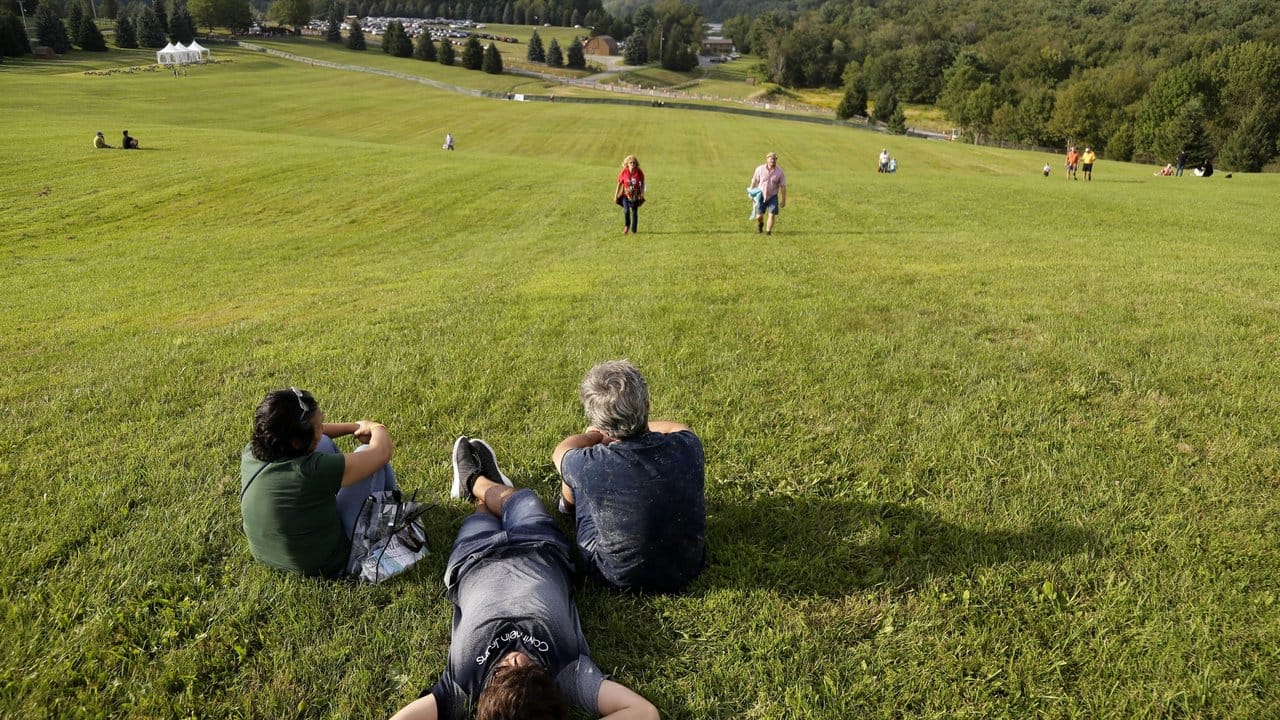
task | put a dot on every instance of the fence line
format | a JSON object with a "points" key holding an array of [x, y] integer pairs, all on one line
{"points": [[657, 98]]}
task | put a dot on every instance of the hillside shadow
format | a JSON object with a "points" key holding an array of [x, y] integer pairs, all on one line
{"points": [[833, 547]]}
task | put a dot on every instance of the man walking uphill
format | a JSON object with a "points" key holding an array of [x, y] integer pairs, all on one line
{"points": [[772, 183]]}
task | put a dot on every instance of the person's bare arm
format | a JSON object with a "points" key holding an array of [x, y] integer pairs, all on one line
{"points": [[335, 430], [666, 426], [573, 442], [361, 465], [619, 702], [782, 196], [424, 708]]}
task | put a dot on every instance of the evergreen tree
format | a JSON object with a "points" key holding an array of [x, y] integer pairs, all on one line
{"points": [[126, 37], [91, 37], [1253, 143], [886, 104], [854, 101], [424, 48], [110, 9], [333, 31], [162, 15], [536, 53], [182, 28], [446, 52], [473, 54], [355, 37], [897, 121], [637, 52], [75, 18], [150, 35], [554, 57], [13, 35], [508, 14], [387, 36], [676, 53], [396, 41], [50, 30], [492, 60], [575, 19], [574, 57]]}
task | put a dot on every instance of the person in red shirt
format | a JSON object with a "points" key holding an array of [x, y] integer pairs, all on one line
{"points": [[630, 193], [1073, 162]]}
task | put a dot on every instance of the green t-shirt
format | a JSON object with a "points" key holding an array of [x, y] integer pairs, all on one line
{"points": [[290, 512]]}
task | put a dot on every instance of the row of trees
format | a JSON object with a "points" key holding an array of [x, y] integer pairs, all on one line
{"points": [[1140, 79], [395, 41], [553, 56], [79, 29]]}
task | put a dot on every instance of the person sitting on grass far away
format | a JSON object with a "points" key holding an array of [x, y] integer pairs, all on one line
{"points": [[517, 649], [634, 486], [128, 143], [1205, 169], [300, 497], [100, 141]]}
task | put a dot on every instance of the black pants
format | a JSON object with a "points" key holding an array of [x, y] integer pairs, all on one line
{"points": [[630, 214]]}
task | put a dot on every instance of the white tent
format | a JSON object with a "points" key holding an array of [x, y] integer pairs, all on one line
{"points": [[201, 53], [180, 54]]}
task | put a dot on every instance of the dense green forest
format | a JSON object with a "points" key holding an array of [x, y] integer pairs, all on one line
{"points": [[1139, 78]]}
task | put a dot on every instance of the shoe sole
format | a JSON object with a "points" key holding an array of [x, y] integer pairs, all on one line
{"points": [[457, 489], [503, 478]]}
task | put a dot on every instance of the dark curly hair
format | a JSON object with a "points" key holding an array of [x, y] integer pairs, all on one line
{"points": [[521, 692], [281, 428]]}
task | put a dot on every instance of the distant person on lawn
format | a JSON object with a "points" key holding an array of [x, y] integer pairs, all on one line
{"points": [[299, 496], [100, 141], [128, 143], [1073, 162], [517, 649], [1086, 162], [773, 185], [635, 486], [629, 193]]}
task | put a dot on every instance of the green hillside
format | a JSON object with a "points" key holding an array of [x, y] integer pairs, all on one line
{"points": [[979, 442]]}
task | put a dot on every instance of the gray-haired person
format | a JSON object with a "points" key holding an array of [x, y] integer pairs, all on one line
{"points": [[634, 486]]}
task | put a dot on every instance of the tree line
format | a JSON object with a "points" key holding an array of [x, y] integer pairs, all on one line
{"points": [[1140, 79]]}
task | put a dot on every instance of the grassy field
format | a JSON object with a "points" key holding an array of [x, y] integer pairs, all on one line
{"points": [[980, 443]]}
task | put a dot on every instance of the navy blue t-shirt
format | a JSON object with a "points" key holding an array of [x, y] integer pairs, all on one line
{"points": [[640, 509]]}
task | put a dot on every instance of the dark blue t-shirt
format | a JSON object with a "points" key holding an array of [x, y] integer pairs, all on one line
{"points": [[640, 509]]}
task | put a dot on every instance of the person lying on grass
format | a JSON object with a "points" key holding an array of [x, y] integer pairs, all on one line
{"points": [[635, 487], [299, 497], [517, 649]]}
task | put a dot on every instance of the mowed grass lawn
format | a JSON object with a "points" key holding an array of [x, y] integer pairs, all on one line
{"points": [[979, 443]]}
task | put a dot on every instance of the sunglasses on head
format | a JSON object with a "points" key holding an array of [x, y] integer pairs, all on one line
{"points": [[302, 405]]}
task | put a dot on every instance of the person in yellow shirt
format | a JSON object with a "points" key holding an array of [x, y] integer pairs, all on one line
{"points": [[100, 141], [1086, 163]]}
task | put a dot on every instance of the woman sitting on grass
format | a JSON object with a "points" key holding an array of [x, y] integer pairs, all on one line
{"points": [[299, 497]]}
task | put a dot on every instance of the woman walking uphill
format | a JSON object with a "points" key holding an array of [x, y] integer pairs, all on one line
{"points": [[630, 193]]}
